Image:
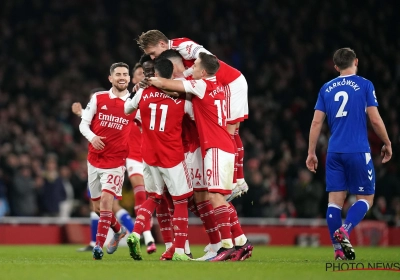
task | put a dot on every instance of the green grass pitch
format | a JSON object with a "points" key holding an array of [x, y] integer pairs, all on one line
{"points": [[63, 262]]}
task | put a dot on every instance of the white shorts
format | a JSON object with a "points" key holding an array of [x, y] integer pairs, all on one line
{"points": [[134, 167], [105, 180], [194, 163], [218, 171], [175, 178], [237, 107]]}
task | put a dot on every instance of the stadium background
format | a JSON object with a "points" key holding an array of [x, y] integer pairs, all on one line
{"points": [[52, 53]]}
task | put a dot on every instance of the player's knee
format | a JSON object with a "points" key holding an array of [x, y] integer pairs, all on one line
{"points": [[200, 196]]}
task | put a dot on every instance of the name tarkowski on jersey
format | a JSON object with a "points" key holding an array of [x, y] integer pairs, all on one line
{"points": [[112, 121], [160, 95], [344, 82]]}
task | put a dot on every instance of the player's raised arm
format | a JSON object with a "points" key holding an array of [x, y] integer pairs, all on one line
{"points": [[132, 104], [315, 130], [167, 84]]}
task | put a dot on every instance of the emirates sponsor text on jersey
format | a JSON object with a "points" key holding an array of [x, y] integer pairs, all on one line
{"points": [[112, 121]]}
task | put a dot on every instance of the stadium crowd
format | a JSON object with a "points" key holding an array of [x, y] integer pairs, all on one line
{"points": [[52, 53]]}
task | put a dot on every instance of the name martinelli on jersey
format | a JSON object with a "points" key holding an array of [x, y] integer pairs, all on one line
{"points": [[112, 121], [343, 82], [160, 95]]}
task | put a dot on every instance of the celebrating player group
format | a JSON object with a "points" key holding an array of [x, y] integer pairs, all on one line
{"points": [[189, 108], [188, 155]]}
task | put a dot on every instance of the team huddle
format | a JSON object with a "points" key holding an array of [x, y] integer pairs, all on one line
{"points": [[189, 109], [188, 155]]}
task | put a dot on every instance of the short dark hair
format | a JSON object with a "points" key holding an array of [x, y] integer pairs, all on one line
{"points": [[168, 54], [136, 67], [209, 62], [118, 64], [144, 58], [151, 38], [344, 57], [164, 68]]}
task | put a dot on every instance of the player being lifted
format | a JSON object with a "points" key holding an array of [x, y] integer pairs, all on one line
{"points": [[163, 159], [347, 101], [154, 42], [218, 152]]}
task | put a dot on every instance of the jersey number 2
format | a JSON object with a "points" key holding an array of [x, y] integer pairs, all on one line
{"points": [[341, 112], [164, 109]]}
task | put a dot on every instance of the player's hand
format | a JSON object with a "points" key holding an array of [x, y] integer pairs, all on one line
{"points": [[144, 83], [312, 163], [386, 153], [77, 108], [155, 82], [97, 142]]}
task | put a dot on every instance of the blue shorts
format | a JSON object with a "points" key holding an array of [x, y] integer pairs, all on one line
{"points": [[352, 172]]}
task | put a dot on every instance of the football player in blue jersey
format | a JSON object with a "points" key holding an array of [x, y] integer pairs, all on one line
{"points": [[346, 101]]}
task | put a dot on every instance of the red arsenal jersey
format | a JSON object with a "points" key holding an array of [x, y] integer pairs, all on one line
{"points": [[135, 143], [161, 117], [105, 113], [209, 107], [190, 50]]}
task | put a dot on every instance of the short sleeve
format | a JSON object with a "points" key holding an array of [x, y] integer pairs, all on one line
{"points": [[371, 95], [90, 110], [197, 87], [320, 101]]}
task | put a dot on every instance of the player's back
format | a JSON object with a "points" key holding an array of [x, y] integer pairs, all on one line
{"points": [[345, 100], [161, 128], [210, 117], [189, 50]]}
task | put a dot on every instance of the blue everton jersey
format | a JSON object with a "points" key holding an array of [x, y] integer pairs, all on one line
{"points": [[345, 100]]}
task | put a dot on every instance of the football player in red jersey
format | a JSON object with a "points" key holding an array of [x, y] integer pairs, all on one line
{"points": [[154, 42], [107, 129], [163, 159], [209, 106]]}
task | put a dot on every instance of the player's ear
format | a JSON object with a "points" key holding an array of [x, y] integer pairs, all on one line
{"points": [[337, 68], [109, 78], [356, 62]]}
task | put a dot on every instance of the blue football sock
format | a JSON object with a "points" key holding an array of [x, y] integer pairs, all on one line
{"points": [[334, 221], [125, 219], [94, 221], [355, 214]]}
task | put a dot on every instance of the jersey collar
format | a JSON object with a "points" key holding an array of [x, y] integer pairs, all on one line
{"points": [[213, 79], [113, 96]]}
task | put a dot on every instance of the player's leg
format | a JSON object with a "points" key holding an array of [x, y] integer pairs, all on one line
{"points": [[111, 181], [218, 175], [153, 182], [164, 219], [94, 187], [239, 165], [203, 206], [135, 173], [337, 189], [237, 111], [361, 180], [243, 246], [180, 187]]}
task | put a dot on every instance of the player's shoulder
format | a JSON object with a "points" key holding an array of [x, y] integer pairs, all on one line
{"points": [[175, 43], [100, 95]]}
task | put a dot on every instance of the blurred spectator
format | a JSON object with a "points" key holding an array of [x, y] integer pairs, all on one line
{"points": [[52, 192], [23, 193], [66, 206], [307, 195], [381, 212], [254, 202], [4, 208]]}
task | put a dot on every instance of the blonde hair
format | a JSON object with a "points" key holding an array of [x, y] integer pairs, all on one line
{"points": [[151, 38]]}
